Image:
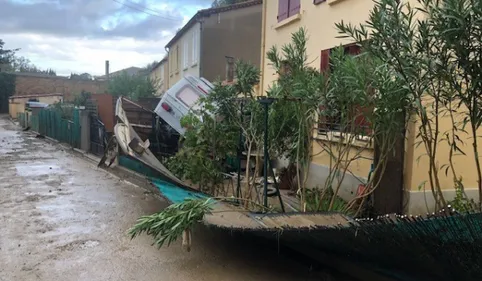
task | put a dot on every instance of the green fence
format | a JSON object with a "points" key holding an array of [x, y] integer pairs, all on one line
{"points": [[51, 124], [34, 123]]}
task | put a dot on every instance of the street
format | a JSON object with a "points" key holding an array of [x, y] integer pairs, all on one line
{"points": [[62, 218]]}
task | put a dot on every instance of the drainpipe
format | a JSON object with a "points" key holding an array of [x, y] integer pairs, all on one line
{"points": [[229, 69], [263, 47], [200, 59], [168, 69]]}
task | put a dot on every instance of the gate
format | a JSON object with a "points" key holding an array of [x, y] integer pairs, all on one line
{"points": [[98, 138]]}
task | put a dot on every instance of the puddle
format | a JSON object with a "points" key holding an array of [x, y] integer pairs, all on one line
{"points": [[31, 170], [10, 142]]}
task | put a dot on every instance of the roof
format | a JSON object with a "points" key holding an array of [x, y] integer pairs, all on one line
{"points": [[211, 11], [37, 74], [36, 95], [133, 70]]}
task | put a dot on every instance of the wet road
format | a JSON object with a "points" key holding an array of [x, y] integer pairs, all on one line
{"points": [[63, 219]]}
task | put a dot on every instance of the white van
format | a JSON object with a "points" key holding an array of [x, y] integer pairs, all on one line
{"points": [[180, 98]]}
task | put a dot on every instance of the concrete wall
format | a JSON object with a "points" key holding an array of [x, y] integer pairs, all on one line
{"points": [[417, 182], [235, 33], [84, 130], [30, 85], [189, 41], [15, 108]]}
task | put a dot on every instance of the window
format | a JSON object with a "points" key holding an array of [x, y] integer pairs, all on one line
{"points": [[195, 46], [188, 97], [161, 73], [288, 8], [185, 55], [178, 63], [170, 61], [332, 122]]}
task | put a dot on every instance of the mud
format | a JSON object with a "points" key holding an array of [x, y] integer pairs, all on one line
{"points": [[62, 218]]}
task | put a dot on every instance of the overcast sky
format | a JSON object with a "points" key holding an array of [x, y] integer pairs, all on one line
{"points": [[79, 35]]}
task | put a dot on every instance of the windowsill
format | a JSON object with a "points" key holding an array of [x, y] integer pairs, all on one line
{"points": [[185, 68], [288, 21], [177, 72], [170, 75], [194, 64], [332, 2], [358, 141]]}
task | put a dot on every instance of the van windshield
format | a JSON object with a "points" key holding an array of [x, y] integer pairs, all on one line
{"points": [[188, 96]]}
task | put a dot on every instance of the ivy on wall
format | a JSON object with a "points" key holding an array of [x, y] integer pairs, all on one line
{"points": [[7, 84], [7, 89]]}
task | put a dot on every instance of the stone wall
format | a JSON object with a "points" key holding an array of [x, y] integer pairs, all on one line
{"points": [[33, 85]]}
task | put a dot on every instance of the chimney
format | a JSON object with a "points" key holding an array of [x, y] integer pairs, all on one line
{"points": [[107, 69], [229, 69]]}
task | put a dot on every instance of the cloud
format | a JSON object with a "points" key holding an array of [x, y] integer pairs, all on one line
{"points": [[79, 35]]}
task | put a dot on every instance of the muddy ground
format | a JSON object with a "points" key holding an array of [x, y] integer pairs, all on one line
{"points": [[62, 218]]}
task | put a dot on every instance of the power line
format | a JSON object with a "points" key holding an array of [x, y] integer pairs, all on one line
{"points": [[144, 10], [143, 7]]}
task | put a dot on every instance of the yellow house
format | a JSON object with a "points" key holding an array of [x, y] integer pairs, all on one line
{"points": [[16, 104], [281, 18], [160, 76], [202, 46]]}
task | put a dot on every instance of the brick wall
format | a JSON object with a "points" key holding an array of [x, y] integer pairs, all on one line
{"points": [[106, 110], [30, 85]]}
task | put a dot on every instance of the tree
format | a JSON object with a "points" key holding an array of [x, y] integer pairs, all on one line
{"points": [[6, 55], [83, 76], [149, 67], [438, 60], [222, 3], [133, 87], [22, 64]]}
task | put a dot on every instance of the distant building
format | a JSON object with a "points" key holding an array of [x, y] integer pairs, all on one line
{"points": [[201, 46], [159, 76], [131, 71]]}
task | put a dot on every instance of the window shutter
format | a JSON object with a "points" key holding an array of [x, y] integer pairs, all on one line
{"points": [[353, 49], [283, 8], [325, 61], [294, 7], [362, 124], [323, 126]]}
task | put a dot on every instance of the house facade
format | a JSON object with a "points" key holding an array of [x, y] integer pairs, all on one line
{"points": [[281, 18], [159, 76], [201, 46]]}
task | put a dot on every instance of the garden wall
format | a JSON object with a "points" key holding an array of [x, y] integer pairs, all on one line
{"points": [[30, 84]]}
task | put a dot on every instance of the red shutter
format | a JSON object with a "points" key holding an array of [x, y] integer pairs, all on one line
{"points": [[353, 49], [322, 121], [294, 7], [363, 126], [283, 8], [325, 61]]}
